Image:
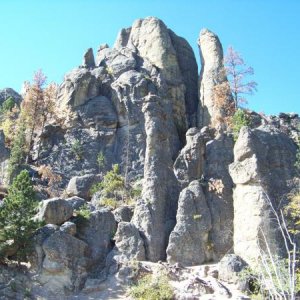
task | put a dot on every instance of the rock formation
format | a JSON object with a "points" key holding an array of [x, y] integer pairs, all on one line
{"points": [[262, 171], [212, 74], [138, 105]]}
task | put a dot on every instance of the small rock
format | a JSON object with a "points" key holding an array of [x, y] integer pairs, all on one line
{"points": [[69, 227]]}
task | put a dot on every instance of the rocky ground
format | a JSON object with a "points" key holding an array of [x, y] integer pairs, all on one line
{"points": [[204, 195]]}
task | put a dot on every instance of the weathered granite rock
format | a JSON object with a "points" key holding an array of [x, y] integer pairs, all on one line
{"points": [[128, 242], [55, 211], [188, 242], [65, 264], [229, 268], [97, 231], [80, 185], [88, 59], [212, 74], [262, 170], [155, 213], [172, 56], [69, 228], [189, 71], [189, 164], [37, 255], [123, 213], [218, 193], [9, 92], [76, 202]]}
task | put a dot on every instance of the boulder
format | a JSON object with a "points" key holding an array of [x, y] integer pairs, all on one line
{"points": [[76, 202], [189, 241], [55, 211], [123, 213], [128, 242], [37, 255], [80, 185], [68, 227], [229, 268], [97, 231], [65, 264]]}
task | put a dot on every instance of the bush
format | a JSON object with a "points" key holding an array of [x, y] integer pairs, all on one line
{"points": [[77, 149], [113, 189], [101, 161], [239, 120], [16, 216], [152, 288], [7, 105], [297, 162]]}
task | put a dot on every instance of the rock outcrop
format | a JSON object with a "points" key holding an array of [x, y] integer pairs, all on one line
{"points": [[189, 241], [262, 171], [7, 93], [138, 105], [155, 214], [212, 74]]}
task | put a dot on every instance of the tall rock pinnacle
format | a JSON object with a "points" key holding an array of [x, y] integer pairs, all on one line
{"points": [[212, 74]]}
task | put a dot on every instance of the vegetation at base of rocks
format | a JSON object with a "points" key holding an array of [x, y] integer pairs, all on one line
{"points": [[152, 287], [82, 215], [16, 217], [83, 212], [114, 191], [278, 276], [77, 149], [239, 120]]}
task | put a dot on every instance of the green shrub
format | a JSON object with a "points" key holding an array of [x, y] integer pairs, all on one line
{"points": [[114, 191], [152, 288], [101, 161], [77, 149], [239, 120], [16, 216], [82, 214]]}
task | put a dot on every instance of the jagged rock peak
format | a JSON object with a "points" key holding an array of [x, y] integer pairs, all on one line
{"points": [[212, 74], [88, 59], [9, 92], [172, 55]]}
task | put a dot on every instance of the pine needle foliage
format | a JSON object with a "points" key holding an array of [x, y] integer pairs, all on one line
{"points": [[16, 216]]}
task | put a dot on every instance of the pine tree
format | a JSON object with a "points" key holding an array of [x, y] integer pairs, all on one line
{"points": [[16, 216], [18, 152]]}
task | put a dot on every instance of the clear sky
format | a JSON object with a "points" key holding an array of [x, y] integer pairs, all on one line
{"points": [[54, 34]]}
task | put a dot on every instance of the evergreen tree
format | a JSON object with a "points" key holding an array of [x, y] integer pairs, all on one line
{"points": [[18, 151], [16, 216]]}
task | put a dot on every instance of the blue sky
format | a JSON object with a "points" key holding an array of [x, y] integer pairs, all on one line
{"points": [[53, 35]]}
